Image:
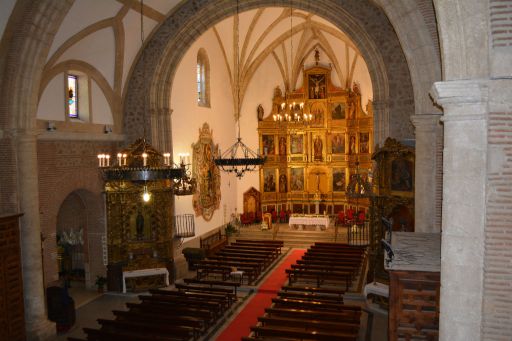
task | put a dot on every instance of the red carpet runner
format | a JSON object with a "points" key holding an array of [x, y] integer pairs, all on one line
{"points": [[248, 317]]}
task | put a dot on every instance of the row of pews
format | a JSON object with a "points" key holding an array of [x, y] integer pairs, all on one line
{"points": [[182, 314], [302, 312], [249, 258], [328, 264]]}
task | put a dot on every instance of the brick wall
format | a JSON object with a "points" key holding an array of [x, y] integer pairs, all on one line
{"points": [[501, 22], [67, 167], [8, 186], [497, 305]]}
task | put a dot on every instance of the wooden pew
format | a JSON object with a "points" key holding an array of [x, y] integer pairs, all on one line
{"points": [[211, 284], [213, 306], [251, 270], [349, 327], [156, 308], [297, 334], [224, 299], [319, 275], [140, 316], [151, 328], [312, 305], [342, 315], [105, 335], [310, 296], [314, 290]]}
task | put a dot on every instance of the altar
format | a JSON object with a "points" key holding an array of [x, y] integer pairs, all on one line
{"points": [[304, 220]]}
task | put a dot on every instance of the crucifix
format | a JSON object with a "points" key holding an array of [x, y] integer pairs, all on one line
{"points": [[318, 173]]}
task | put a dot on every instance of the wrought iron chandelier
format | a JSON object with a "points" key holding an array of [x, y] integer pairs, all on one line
{"points": [[140, 163], [239, 158]]}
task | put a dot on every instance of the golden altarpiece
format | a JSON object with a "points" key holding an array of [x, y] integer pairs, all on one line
{"points": [[139, 232], [315, 139]]}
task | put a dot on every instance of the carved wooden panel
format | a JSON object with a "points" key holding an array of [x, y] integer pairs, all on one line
{"points": [[12, 320], [414, 305]]}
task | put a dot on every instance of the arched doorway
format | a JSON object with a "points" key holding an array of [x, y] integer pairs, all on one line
{"points": [[71, 248]]}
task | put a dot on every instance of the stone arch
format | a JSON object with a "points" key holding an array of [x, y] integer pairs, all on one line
{"points": [[417, 31], [377, 43]]}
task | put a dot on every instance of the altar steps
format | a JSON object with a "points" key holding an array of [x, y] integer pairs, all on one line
{"points": [[291, 237]]}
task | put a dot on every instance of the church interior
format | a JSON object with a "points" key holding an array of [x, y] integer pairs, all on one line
{"points": [[255, 170]]}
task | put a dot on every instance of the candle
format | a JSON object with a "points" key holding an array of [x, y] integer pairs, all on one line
{"points": [[99, 160], [167, 157], [144, 159], [119, 159], [302, 105], [107, 157], [124, 159], [275, 118], [282, 105]]}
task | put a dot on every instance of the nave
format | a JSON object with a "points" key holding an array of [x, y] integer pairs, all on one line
{"points": [[254, 297]]}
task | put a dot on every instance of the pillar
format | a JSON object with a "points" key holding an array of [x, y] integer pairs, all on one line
{"points": [[463, 221], [428, 132], [37, 325], [380, 122]]}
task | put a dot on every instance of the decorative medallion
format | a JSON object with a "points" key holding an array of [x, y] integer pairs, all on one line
{"points": [[207, 196]]}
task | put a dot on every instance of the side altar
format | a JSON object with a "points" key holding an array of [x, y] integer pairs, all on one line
{"points": [[315, 140]]}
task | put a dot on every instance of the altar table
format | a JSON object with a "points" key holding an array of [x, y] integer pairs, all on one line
{"points": [[309, 220], [145, 272]]}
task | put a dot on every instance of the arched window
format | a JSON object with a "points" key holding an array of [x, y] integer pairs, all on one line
{"points": [[203, 79]]}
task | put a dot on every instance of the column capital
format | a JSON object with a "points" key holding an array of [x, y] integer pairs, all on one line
{"points": [[426, 122], [462, 100]]}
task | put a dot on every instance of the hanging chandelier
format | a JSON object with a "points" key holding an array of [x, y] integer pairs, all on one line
{"points": [[140, 163], [290, 110], [239, 158]]}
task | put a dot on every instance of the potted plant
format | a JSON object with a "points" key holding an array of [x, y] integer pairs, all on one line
{"points": [[229, 230], [100, 283]]}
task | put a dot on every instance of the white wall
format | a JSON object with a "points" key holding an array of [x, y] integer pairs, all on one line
{"points": [[188, 118]]}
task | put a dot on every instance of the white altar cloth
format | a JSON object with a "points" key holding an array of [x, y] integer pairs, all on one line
{"points": [[145, 272], [309, 220]]}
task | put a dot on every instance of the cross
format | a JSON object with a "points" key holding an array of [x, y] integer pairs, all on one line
{"points": [[318, 173]]}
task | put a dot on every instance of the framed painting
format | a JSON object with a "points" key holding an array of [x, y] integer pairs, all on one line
{"points": [[338, 111], [296, 179], [338, 143], [364, 143], [268, 145], [297, 144], [269, 179], [402, 175], [338, 179]]}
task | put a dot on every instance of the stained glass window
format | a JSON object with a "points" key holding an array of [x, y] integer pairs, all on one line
{"points": [[72, 96]]}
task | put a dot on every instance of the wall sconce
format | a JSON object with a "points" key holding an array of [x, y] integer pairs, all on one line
{"points": [[107, 129]]}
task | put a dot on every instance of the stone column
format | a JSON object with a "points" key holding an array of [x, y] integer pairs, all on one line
{"points": [[464, 193], [37, 325], [426, 163], [380, 122]]}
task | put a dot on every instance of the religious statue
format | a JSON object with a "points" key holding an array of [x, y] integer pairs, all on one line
{"points": [[282, 145], [317, 55], [318, 145], [260, 112]]}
